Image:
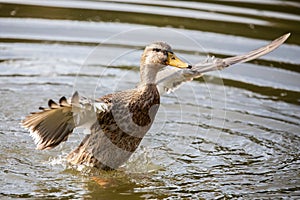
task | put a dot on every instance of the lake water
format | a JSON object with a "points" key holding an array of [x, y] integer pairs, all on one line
{"points": [[231, 134]]}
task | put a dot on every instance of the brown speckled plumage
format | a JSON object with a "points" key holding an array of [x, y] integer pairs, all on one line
{"points": [[119, 120], [129, 116]]}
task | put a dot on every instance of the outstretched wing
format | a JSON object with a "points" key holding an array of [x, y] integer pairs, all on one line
{"points": [[53, 125], [171, 78]]}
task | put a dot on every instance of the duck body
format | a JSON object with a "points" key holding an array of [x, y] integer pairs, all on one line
{"points": [[118, 130], [117, 122]]}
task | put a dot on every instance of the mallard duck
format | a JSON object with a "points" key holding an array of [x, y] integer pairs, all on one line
{"points": [[122, 118], [118, 122]]}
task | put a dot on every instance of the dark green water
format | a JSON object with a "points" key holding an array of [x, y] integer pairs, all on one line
{"points": [[231, 134]]}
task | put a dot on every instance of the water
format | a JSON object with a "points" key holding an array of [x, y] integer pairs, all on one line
{"points": [[231, 134]]}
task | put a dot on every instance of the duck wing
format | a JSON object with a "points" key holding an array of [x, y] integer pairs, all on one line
{"points": [[171, 78], [54, 124]]}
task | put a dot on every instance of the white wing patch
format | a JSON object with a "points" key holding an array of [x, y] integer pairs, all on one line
{"points": [[85, 110]]}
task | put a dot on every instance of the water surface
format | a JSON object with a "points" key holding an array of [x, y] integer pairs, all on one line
{"points": [[231, 134]]}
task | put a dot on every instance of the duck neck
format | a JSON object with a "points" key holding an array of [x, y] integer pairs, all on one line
{"points": [[148, 74]]}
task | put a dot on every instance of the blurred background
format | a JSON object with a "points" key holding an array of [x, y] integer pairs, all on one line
{"points": [[230, 134]]}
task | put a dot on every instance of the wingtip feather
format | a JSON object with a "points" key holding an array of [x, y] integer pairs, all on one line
{"points": [[75, 98], [63, 102], [52, 104]]}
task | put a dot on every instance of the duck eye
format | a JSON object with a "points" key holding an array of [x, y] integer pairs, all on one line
{"points": [[165, 52], [156, 49]]}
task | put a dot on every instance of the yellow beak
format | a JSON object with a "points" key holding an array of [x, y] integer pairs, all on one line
{"points": [[174, 61]]}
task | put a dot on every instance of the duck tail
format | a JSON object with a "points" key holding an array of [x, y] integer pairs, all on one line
{"points": [[52, 125]]}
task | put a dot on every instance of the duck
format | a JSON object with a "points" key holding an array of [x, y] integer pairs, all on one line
{"points": [[118, 122]]}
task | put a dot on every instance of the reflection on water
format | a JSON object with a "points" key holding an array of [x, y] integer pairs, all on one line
{"points": [[229, 134]]}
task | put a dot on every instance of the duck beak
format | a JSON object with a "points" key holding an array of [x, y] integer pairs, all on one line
{"points": [[174, 61]]}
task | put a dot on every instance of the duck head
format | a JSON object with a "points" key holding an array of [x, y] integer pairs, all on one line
{"points": [[155, 57]]}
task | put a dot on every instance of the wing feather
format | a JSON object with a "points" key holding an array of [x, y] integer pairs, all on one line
{"points": [[53, 125], [170, 79]]}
